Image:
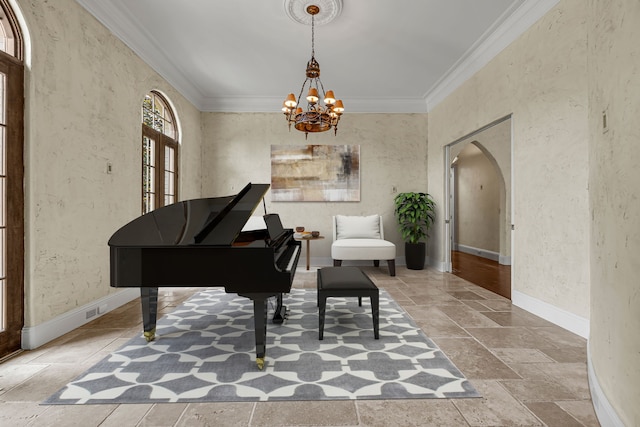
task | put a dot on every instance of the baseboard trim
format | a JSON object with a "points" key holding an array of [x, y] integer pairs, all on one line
{"points": [[484, 253], [569, 321], [504, 260], [607, 416], [35, 336]]}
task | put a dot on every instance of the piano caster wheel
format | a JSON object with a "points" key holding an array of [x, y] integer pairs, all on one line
{"points": [[260, 362], [150, 335]]}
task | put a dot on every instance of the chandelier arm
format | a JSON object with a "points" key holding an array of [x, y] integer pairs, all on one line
{"points": [[324, 94], [302, 90]]}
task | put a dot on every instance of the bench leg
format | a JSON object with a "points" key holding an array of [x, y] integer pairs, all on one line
{"points": [[375, 303], [322, 305], [392, 267]]}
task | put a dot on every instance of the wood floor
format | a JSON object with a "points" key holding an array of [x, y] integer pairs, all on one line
{"points": [[483, 272]]}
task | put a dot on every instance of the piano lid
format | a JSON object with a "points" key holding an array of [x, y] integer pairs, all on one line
{"points": [[215, 221]]}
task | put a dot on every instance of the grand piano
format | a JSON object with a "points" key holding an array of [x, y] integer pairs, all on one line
{"points": [[205, 242]]}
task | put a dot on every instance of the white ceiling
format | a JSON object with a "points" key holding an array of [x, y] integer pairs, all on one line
{"points": [[377, 55]]}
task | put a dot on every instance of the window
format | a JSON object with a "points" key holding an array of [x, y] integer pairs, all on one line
{"points": [[159, 153], [11, 183]]}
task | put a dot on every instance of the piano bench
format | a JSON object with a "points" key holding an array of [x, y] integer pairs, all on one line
{"points": [[346, 282]]}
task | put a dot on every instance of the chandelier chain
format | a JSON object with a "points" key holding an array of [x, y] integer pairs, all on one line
{"points": [[313, 38]]}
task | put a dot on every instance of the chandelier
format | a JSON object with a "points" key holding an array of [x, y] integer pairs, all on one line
{"points": [[318, 116]]}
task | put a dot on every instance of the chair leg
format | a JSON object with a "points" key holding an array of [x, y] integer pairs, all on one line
{"points": [[360, 301], [392, 267], [376, 263], [337, 262]]}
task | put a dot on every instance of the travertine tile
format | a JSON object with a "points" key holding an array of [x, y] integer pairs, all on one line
{"points": [[19, 413], [496, 408], [163, 415], [520, 355], [567, 354], [552, 415], [217, 414], [581, 410], [126, 415], [545, 390], [468, 317], [48, 381], [73, 416], [559, 336], [507, 318], [437, 324], [473, 360], [305, 413], [466, 295], [409, 413], [512, 337], [13, 374]]}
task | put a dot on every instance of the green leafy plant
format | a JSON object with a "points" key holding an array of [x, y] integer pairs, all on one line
{"points": [[415, 213]]}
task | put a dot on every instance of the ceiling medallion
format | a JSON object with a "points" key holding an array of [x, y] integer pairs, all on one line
{"points": [[297, 10], [319, 116]]}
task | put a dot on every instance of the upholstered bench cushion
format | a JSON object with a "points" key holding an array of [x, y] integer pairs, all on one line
{"points": [[365, 249], [343, 279]]}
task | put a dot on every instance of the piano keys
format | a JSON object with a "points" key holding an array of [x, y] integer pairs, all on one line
{"points": [[201, 243]]}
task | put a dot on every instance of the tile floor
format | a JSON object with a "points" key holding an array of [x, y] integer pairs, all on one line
{"points": [[530, 372]]}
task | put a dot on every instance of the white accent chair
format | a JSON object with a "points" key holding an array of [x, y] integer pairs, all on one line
{"points": [[361, 238]]}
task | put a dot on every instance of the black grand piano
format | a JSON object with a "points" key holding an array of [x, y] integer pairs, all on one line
{"points": [[201, 242]]}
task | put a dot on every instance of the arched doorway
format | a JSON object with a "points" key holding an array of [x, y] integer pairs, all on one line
{"points": [[478, 241]]}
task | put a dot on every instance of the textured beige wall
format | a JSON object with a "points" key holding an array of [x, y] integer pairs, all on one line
{"points": [[541, 80], [477, 201], [393, 151], [84, 91], [614, 86]]}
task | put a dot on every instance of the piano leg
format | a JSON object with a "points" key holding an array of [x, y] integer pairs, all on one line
{"points": [[149, 299], [281, 311], [260, 324]]}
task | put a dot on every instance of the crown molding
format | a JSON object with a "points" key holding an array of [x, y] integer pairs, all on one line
{"points": [[507, 29], [514, 24], [142, 44], [272, 104]]}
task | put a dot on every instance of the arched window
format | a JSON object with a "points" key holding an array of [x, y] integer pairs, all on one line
{"points": [[159, 153], [11, 182]]}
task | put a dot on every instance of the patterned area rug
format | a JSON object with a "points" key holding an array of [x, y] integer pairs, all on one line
{"points": [[204, 352]]}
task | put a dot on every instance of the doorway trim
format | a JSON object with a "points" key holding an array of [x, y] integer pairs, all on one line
{"points": [[448, 192]]}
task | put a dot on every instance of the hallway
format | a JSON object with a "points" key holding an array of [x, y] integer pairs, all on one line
{"points": [[483, 272]]}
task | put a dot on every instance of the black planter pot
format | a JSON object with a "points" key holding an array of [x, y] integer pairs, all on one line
{"points": [[414, 254]]}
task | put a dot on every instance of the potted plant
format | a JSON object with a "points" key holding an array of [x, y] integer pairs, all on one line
{"points": [[415, 213]]}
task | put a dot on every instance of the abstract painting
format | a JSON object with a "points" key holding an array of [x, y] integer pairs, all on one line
{"points": [[315, 173]]}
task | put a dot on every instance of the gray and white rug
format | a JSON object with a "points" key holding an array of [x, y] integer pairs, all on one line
{"points": [[204, 352]]}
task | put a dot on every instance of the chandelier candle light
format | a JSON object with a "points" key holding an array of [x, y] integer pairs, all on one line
{"points": [[317, 117]]}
